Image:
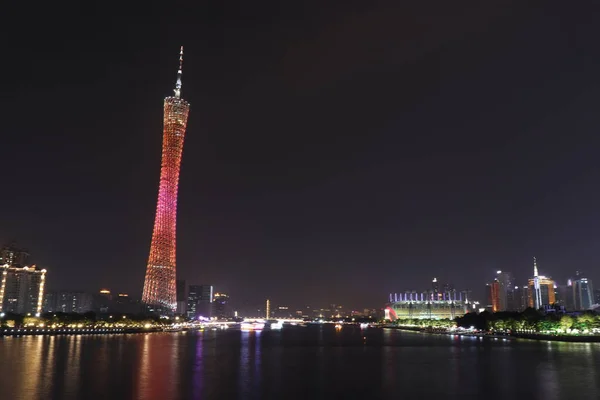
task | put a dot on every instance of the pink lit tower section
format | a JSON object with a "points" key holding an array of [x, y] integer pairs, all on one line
{"points": [[159, 285]]}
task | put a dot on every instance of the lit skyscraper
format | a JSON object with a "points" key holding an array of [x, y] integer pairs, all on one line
{"points": [[22, 289], [199, 302], [583, 292], [159, 286], [541, 289], [500, 292]]}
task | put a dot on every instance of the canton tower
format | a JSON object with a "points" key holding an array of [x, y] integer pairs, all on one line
{"points": [[159, 285]]}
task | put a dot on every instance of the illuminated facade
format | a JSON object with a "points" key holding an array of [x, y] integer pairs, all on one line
{"points": [[540, 290], [494, 296], [583, 293], [500, 293], [22, 290], [424, 305], [160, 292]]}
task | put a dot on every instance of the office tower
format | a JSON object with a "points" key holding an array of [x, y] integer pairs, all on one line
{"points": [[500, 292], [102, 301], [199, 301], [160, 293], [68, 302], [13, 256], [506, 281], [565, 296], [512, 299], [541, 289], [49, 303], [123, 303], [521, 297], [582, 292], [221, 306], [181, 297], [494, 291], [22, 290]]}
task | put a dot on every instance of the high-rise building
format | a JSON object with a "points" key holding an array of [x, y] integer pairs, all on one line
{"points": [[22, 290], [565, 296], [181, 297], [221, 306], [521, 297], [596, 296], [512, 299], [67, 302], [500, 292], [268, 309], [494, 296], [122, 303], [506, 287], [160, 292], [541, 289], [199, 303], [103, 301], [13, 256], [49, 303], [583, 292]]}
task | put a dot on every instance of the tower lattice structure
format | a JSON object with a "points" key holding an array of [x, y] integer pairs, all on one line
{"points": [[159, 284]]}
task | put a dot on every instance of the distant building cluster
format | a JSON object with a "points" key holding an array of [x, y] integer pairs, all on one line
{"points": [[23, 291], [541, 292], [103, 302], [201, 301]]}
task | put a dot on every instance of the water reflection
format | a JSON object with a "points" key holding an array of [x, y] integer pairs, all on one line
{"points": [[72, 368], [250, 363], [158, 370], [198, 375], [32, 367]]}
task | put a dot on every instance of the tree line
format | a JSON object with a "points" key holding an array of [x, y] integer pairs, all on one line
{"points": [[529, 320]]}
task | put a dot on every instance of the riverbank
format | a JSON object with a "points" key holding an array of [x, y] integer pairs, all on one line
{"points": [[73, 331], [515, 335], [558, 338]]}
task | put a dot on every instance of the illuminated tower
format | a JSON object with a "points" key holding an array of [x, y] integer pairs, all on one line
{"points": [[160, 291], [536, 286], [540, 291]]}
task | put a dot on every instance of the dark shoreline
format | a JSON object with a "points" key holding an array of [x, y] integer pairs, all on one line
{"points": [[558, 338]]}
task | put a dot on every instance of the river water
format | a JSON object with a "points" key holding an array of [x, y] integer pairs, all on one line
{"points": [[314, 362]]}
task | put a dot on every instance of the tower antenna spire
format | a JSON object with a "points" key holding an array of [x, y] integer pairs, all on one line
{"points": [[178, 84], [535, 269]]}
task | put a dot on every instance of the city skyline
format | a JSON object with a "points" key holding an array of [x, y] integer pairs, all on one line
{"points": [[316, 162]]}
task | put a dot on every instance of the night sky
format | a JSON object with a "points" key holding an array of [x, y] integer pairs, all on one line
{"points": [[336, 151]]}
